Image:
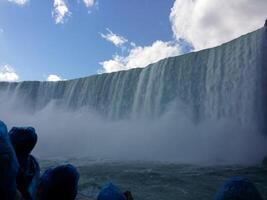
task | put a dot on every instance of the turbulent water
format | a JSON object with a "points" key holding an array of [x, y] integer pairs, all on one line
{"points": [[161, 181], [203, 106]]}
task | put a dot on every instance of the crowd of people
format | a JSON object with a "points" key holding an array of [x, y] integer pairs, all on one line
{"points": [[20, 177]]}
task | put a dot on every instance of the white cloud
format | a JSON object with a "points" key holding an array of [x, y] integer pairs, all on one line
{"points": [[203, 23], [88, 3], [53, 78], [19, 2], [60, 11], [117, 40], [7, 73], [133, 44], [207, 23], [141, 56]]}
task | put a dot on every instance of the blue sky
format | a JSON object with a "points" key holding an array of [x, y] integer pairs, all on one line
{"points": [[35, 46], [65, 39]]}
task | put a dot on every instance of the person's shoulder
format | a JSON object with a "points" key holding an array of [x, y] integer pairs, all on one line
{"points": [[34, 162]]}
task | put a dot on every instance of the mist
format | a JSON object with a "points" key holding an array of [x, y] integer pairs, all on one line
{"points": [[172, 137]]}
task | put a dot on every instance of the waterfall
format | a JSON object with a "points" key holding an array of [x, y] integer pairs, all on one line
{"points": [[202, 107], [228, 81]]}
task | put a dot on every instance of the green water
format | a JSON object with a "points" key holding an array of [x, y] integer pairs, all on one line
{"points": [[161, 181]]}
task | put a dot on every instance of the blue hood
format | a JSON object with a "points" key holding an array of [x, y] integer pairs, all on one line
{"points": [[111, 192]]}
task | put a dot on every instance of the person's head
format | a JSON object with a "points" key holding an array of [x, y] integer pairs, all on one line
{"points": [[238, 188], [111, 192], [23, 139], [59, 183]]}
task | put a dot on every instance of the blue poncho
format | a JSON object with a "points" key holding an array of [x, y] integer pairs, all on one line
{"points": [[23, 141], [238, 188], [59, 183], [8, 166], [111, 192]]}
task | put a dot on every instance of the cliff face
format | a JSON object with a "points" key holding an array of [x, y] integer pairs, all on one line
{"points": [[228, 81]]}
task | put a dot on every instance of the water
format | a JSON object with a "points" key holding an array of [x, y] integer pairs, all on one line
{"points": [[161, 181], [202, 107]]}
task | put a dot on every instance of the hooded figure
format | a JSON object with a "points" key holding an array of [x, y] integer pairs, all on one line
{"points": [[23, 141], [59, 183], [8, 166], [111, 192], [238, 188]]}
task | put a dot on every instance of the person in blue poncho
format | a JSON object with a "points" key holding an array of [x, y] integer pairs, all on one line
{"points": [[59, 183], [238, 188], [112, 192], [23, 141], [8, 166]]}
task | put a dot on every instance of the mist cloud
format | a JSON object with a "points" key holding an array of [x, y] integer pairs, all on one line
{"points": [[172, 137]]}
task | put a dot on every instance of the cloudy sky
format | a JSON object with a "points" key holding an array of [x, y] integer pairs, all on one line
{"points": [[64, 39]]}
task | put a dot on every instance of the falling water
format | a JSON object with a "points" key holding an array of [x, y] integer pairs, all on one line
{"points": [[226, 82]]}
